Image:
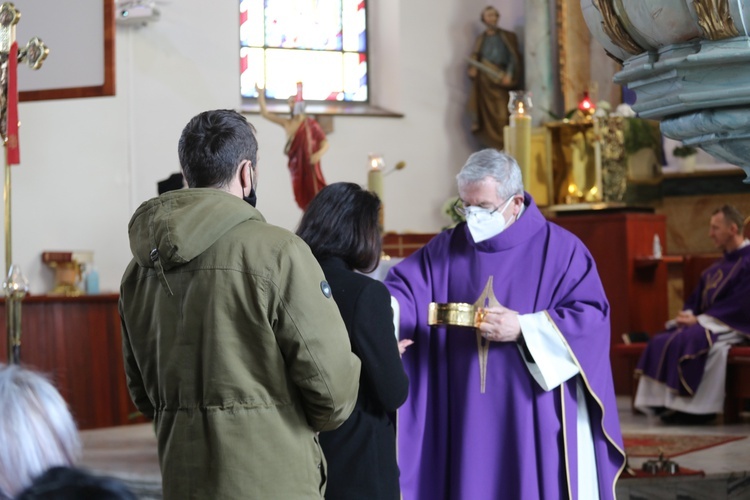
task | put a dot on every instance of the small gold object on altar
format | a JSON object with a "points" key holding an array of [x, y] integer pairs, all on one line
{"points": [[454, 314], [68, 268]]}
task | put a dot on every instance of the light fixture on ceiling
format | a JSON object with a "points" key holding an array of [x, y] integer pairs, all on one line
{"points": [[136, 12]]}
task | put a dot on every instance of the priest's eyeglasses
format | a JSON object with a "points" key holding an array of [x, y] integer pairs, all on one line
{"points": [[461, 209]]}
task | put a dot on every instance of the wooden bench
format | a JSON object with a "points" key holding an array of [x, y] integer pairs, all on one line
{"points": [[737, 388]]}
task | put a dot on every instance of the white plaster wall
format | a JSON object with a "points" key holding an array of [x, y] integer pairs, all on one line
{"points": [[88, 163]]}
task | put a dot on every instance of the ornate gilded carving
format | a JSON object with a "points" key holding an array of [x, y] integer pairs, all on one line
{"points": [[614, 160], [614, 29], [715, 19]]}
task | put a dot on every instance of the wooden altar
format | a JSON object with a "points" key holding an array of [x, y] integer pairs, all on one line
{"points": [[76, 341]]}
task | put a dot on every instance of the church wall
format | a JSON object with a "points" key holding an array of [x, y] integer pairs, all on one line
{"points": [[88, 163]]}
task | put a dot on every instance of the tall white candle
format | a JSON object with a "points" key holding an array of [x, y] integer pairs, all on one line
{"points": [[375, 182], [375, 175], [521, 123], [519, 107]]}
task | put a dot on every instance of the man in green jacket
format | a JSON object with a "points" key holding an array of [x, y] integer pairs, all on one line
{"points": [[232, 342]]}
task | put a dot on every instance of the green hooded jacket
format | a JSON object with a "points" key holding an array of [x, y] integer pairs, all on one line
{"points": [[234, 346]]}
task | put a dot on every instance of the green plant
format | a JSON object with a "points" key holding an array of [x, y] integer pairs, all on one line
{"points": [[450, 212], [641, 134], [684, 151]]}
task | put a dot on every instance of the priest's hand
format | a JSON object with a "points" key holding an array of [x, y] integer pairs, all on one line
{"points": [[403, 344], [686, 318], [500, 324]]}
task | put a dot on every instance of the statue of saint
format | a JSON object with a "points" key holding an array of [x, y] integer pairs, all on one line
{"points": [[305, 145], [495, 68]]}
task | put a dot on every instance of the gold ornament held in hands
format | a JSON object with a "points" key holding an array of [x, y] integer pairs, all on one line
{"points": [[468, 316], [454, 314]]}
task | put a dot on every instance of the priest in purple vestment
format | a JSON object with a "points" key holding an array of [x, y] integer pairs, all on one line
{"points": [[684, 369], [534, 416]]}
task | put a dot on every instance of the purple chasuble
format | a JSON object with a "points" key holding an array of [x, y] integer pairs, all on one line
{"points": [[677, 357], [515, 440]]}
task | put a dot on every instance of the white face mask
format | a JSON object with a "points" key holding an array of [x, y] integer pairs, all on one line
{"points": [[484, 224]]}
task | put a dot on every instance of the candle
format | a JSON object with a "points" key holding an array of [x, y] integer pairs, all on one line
{"points": [[375, 175], [375, 182], [521, 123], [519, 106]]}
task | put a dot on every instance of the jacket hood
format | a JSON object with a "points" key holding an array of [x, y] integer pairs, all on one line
{"points": [[178, 226]]}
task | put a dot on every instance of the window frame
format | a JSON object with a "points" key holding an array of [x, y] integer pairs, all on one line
{"points": [[325, 107]]}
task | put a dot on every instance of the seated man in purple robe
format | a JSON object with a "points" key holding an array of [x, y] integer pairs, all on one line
{"points": [[526, 407], [683, 370]]}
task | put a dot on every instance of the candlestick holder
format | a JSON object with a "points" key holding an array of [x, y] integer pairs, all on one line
{"points": [[519, 103], [16, 286]]}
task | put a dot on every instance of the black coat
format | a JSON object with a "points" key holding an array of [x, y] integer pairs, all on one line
{"points": [[361, 454]]}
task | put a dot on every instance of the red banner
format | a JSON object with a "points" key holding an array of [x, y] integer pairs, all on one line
{"points": [[13, 151]]}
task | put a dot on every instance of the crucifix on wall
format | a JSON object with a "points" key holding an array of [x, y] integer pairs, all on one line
{"points": [[15, 284]]}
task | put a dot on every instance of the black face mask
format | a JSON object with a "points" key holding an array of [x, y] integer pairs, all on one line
{"points": [[252, 199]]}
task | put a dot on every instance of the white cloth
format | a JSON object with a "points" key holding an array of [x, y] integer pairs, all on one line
{"points": [[709, 397], [396, 315], [553, 365]]}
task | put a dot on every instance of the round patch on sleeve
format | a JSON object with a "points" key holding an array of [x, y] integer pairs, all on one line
{"points": [[326, 289]]}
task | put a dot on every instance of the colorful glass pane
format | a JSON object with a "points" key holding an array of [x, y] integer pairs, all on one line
{"points": [[284, 68], [304, 24], [251, 23], [355, 26], [252, 71], [319, 42], [355, 77]]}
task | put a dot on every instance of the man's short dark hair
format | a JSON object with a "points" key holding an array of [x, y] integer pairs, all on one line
{"points": [[342, 221], [212, 146], [731, 216], [67, 483]]}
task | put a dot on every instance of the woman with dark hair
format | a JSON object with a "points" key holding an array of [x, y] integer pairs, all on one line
{"points": [[341, 227]]}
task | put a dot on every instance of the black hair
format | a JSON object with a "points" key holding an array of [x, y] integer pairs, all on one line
{"points": [[342, 221], [68, 483], [212, 146]]}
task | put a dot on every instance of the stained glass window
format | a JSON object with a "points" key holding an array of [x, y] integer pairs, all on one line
{"points": [[322, 43]]}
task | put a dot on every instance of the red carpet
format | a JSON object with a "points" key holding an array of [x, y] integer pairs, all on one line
{"points": [[651, 445]]}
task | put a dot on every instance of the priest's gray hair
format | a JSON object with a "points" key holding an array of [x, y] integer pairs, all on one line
{"points": [[496, 164], [37, 430]]}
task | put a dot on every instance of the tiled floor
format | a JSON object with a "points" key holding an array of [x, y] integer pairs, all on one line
{"points": [[129, 453], [726, 467]]}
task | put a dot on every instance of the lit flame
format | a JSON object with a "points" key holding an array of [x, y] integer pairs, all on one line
{"points": [[376, 162], [586, 105]]}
